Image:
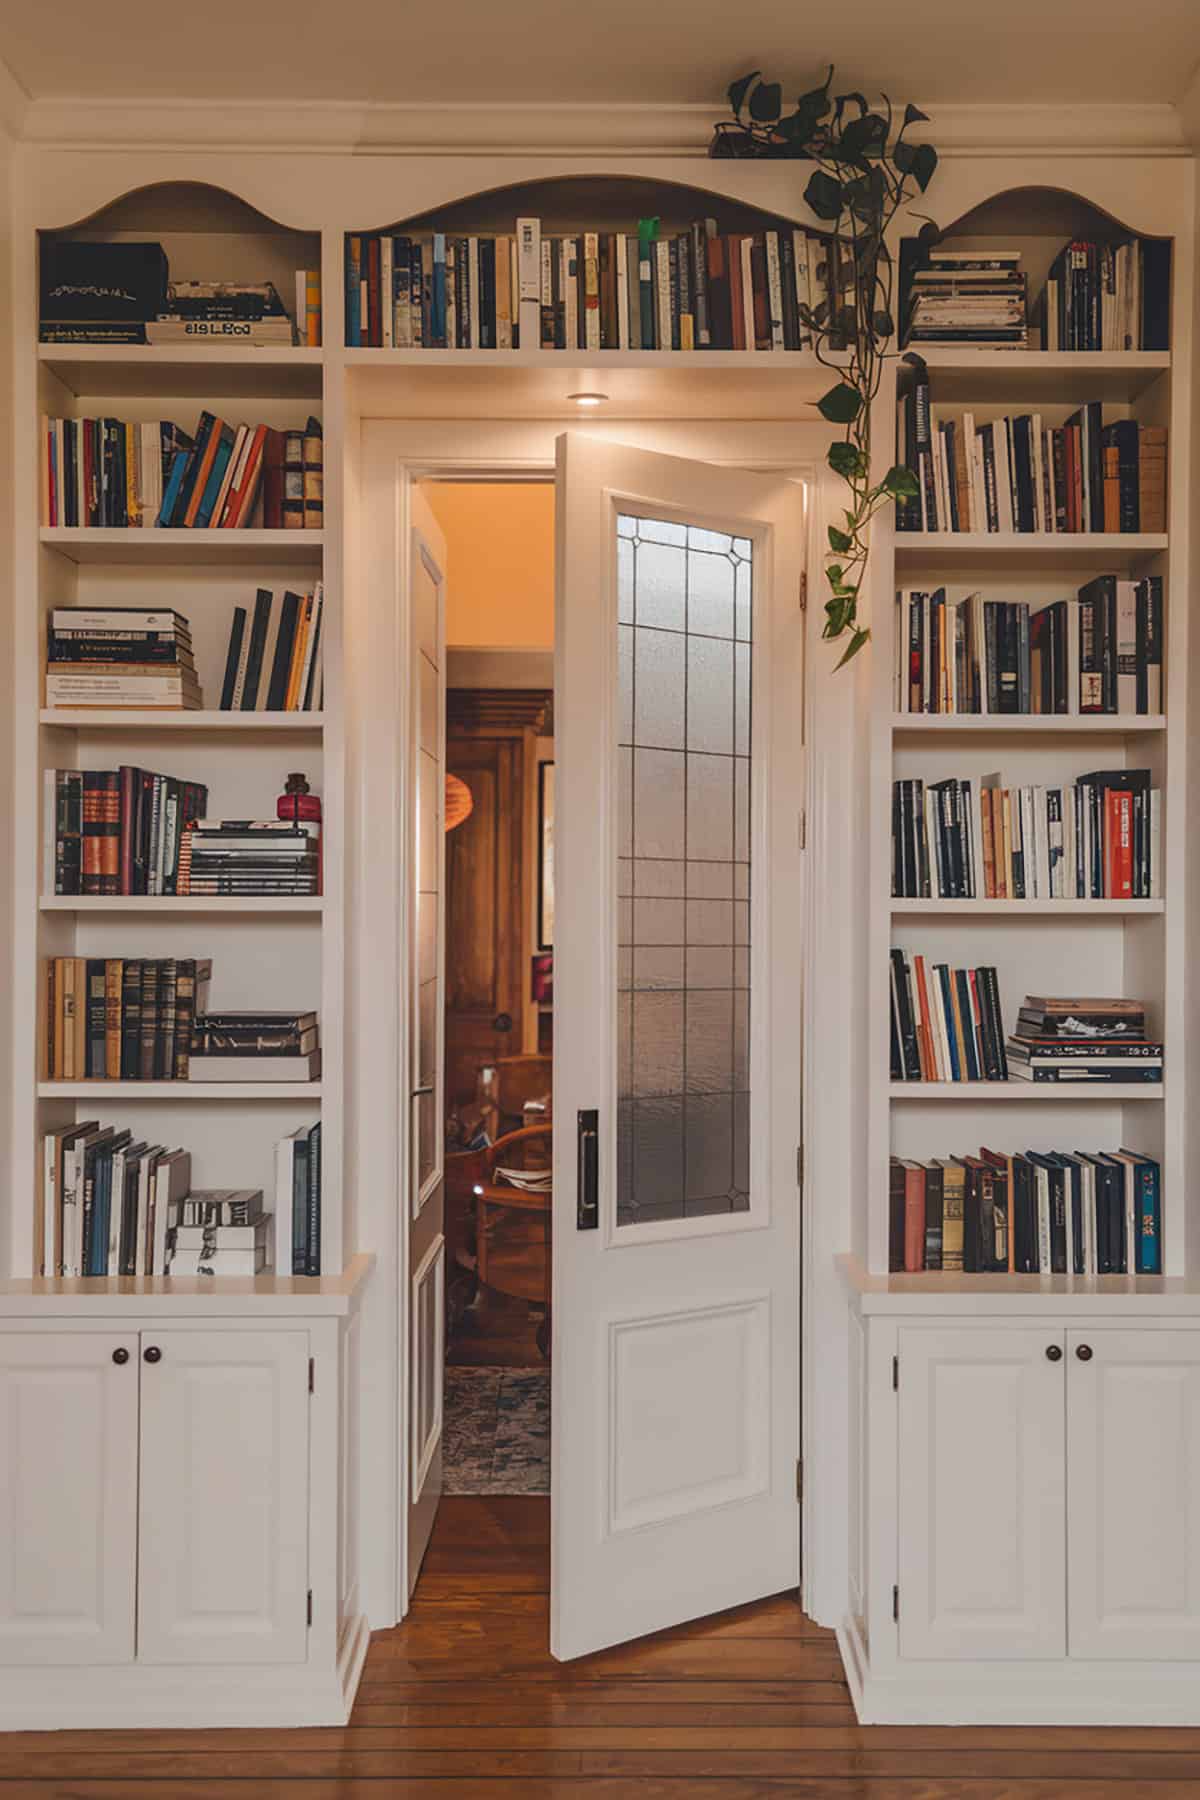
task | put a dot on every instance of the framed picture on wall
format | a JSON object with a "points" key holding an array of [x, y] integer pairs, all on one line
{"points": [[546, 856]]}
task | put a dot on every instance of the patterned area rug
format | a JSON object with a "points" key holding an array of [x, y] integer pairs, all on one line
{"points": [[496, 1431]]}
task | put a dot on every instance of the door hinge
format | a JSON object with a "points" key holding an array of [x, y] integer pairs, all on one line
{"points": [[896, 1373], [799, 1480], [799, 1165], [312, 1375], [803, 831], [310, 1606], [896, 1604], [804, 590]]}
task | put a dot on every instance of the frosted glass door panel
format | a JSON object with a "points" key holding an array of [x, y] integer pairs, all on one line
{"points": [[685, 611]]}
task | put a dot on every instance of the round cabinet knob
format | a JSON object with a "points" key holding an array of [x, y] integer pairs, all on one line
{"points": [[502, 1022], [1053, 1352], [121, 1355], [152, 1353], [1084, 1352]]}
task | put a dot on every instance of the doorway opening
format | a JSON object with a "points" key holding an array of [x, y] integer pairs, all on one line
{"points": [[497, 1018]]}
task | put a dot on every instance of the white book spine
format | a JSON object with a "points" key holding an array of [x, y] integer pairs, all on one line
{"points": [[800, 252], [775, 289], [591, 289], [571, 293], [978, 890], [451, 295], [662, 258], [746, 246], [149, 1164], [239, 680], [622, 293], [529, 278], [1088, 1199], [284, 1152], [72, 1160], [1126, 646], [1043, 1221], [387, 292], [116, 1207], [49, 1203]]}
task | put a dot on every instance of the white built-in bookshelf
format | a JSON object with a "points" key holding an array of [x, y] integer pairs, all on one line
{"points": [[1133, 948]]}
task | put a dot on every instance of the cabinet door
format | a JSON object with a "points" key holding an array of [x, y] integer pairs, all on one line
{"points": [[982, 1493], [1133, 1523], [68, 1496], [223, 1513]]}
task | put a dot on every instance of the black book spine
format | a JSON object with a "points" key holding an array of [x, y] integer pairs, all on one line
{"points": [[896, 1216], [281, 666], [933, 1216], [312, 1234], [487, 293], [131, 1020], [299, 1206], [258, 639]]}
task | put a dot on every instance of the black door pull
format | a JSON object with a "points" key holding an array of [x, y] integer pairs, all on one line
{"points": [[587, 1199]]}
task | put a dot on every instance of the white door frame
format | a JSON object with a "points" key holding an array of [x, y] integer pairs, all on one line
{"points": [[394, 455]]}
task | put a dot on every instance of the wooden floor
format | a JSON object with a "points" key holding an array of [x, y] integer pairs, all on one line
{"points": [[463, 1702]]}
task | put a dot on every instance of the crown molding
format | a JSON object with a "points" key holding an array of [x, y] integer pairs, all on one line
{"points": [[14, 103], [331, 127]]}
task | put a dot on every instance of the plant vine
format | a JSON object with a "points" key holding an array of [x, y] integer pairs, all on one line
{"points": [[866, 171]]}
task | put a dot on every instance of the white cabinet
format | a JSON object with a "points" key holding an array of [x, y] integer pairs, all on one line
{"points": [[1133, 1475], [981, 1564], [223, 1497], [68, 1441]]}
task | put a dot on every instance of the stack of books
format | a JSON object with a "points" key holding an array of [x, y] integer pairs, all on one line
{"points": [[250, 856], [1084, 1039], [968, 297], [107, 1199], [225, 312], [945, 1023], [275, 658], [121, 1018], [1099, 653], [1097, 839], [121, 656], [1018, 475], [1032, 1213], [104, 472], [255, 1046], [116, 831], [1108, 296], [636, 290], [219, 1232], [298, 1202]]}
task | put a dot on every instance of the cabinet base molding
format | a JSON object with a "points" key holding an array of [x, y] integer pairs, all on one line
{"points": [[1072, 1692], [132, 1697]]}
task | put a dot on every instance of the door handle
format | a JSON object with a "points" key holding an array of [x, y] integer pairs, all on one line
{"points": [[419, 1093], [587, 1195], [502, 1022]]}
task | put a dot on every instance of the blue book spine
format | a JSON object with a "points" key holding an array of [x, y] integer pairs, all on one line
{"points": [[957, 1073], [299, 1205], [353, 293], [179, 463], [216, 476], [415, 296], [439, 290], [1149, 1220]]}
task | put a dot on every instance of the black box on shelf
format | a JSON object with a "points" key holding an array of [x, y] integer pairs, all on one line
{"points": [[98, 292]]}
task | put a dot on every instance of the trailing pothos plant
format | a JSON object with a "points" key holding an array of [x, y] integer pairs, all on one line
{"points": [[866, 171]]}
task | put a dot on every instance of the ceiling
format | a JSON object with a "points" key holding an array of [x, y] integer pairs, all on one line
{"points": [[626, 51]]}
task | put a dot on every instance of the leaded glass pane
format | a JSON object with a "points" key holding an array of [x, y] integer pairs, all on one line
{"points": [[683, 835]]}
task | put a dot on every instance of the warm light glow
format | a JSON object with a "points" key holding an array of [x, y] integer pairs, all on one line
{"points": [[588, 399]]}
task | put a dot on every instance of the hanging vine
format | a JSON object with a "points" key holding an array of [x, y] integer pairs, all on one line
{"points": [[866, 171]]}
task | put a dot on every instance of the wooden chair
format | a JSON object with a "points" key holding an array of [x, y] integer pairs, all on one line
{"points": [[520, 1079], [487, 1226]]}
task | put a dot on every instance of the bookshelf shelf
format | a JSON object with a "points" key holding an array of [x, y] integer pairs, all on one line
{"points": [[1066, 1092], [1041, 549], [82, 544], [83, 718], [1096, 909], [185, 370], [306, 1091], [1027, 724], [984, 376], [157, 904]]}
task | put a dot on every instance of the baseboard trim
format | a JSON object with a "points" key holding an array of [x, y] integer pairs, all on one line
{"points": [[184, 1698]]}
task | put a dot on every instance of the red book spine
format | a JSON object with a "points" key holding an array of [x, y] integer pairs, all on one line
{"points": [[925, 1051], [374, 318], [762, 298], [125, 775], [914, 1220], [1119, 842], [720, 323]]}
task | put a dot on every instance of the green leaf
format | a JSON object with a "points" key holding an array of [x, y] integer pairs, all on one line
{"points": [[882, 324], [841, 404], [834, 572], [913, 115], [765, 102], [929, 235], [846, 460], [924, 164], [824, 195], [854, 646], [816, 100], [839, 540], [864, 134], [900, 483], [837, 617], [845, 325], [739, 89]]}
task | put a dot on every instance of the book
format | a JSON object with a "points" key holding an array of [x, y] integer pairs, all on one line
{"points": [[204, 1067]]}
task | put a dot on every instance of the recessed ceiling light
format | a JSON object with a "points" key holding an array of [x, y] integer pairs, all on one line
{"points": [[588, 399]]}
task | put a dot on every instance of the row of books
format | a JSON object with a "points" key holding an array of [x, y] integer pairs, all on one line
{"points": [[1108, 296], [1098, 839], [1101, 653], [275, 659], [234, 312], [117, 831], [108, 1203], [696, 290], [967, 297], [121, 1019], [1027, 1213], [255, 1046], [110, 473], [1064, 1038], [945, 1023], [240, 858], [121, 655], [298, 1176], [1019, 475]]}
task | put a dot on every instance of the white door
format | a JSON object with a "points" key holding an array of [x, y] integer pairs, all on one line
{"points": [[422, 927], [223, 1501], [982, 1492], [68, 1506], [678, 746], [1133, 1476]]}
